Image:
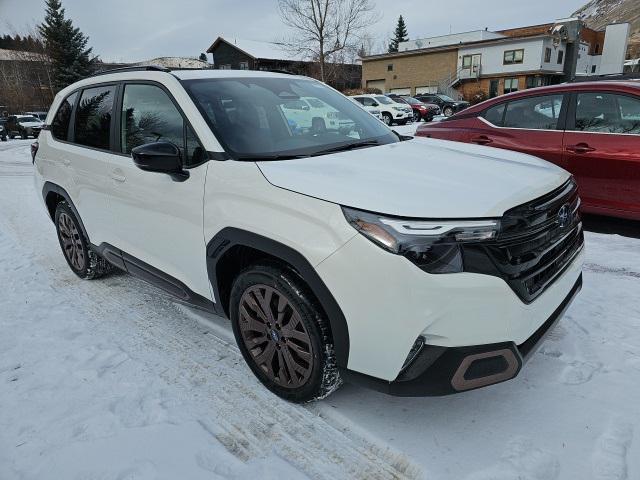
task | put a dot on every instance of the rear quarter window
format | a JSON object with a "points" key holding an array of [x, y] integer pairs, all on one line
{"points": [[60, 123], [93, 117], [495, 114]]}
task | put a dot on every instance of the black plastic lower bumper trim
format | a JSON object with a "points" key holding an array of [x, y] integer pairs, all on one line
{"points": [[440, 371]]}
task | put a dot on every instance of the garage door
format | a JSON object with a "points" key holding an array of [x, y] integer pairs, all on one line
{"points": [[401, 91], [379, 84], [420, 90]]}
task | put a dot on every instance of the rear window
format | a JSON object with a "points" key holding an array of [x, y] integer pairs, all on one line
{"points": [[534, 113], [60, 124], [93, 117]]}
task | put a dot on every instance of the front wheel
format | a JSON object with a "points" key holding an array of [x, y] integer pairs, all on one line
{"points": [[448, 111], [387, 119], [283, 334]]}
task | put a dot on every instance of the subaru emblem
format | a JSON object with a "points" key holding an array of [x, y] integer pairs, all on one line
{"points": [[564, 216]]}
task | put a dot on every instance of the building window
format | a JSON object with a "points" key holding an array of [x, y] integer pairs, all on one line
{"points": [[593, 69], [513, 56], [560, 56], [466, 61], [244, 65], [533, 82], [547, 55], [390, 67], [510, 85]]}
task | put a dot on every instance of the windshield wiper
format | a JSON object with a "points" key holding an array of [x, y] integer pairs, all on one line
{"points": [[266, 158], [348, 146]]}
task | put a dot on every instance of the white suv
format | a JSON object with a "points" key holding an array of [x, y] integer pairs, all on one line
{"points": [[391, 111], [415, 266]]}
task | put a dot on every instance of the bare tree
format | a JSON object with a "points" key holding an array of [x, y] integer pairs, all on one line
{"points": [[326, 29]]}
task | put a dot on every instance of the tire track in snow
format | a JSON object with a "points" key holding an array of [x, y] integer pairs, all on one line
{"points": [[207, 372], [609, 458]]}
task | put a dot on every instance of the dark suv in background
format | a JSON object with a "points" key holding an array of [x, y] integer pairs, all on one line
{"points": [[448, 105]]}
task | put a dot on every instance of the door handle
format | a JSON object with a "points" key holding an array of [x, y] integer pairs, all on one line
{"points": [[580, 148], [481, 140], [118, 176]]}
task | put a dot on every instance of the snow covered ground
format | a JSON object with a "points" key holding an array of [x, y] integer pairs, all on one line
{"points": [[112, 379]]}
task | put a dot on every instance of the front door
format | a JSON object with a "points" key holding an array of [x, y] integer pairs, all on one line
{"points": [[494, 85], [602, 150], [156, 219]]}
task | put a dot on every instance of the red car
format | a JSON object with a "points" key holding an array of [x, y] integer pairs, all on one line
{"points": [[421, 110], [591, 129]]}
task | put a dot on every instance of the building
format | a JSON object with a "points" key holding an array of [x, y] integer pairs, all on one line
{"points": [[24, 82], [240, 54], [481, 64]]}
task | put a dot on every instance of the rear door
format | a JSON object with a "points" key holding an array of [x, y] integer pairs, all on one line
{"points": [[532, 125], [602, 150]]}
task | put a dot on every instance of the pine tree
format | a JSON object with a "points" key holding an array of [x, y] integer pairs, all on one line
{"points": [[66, 46], [203, 57], [400, 35]]}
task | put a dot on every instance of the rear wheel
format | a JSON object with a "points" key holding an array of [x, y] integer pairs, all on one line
{"points": [[448, 111], [416, 117], [84, 262], [282, 333]]}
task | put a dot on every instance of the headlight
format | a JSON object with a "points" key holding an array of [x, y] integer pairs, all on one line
{"points": [[433, 245]]}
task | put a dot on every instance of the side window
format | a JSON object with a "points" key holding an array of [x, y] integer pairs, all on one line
{"points": [[60, 123], [607, 113], [369, 102], [93, 117], [360, 100], [149, 115], [495, 114], [536, 113]]}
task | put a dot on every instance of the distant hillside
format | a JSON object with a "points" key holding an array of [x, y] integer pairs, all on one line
{"points": [[598, 14]]}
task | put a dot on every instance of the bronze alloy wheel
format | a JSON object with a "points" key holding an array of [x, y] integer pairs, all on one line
{"points": [[71, 242], [275, 336]]}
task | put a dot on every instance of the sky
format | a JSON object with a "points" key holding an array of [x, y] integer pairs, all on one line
{"points": [[136, 30]]}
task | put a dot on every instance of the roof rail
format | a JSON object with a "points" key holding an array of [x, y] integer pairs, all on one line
{"points": [[133, 68]]}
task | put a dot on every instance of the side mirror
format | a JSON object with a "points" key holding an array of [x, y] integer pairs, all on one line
{"points": [[161, 157]]}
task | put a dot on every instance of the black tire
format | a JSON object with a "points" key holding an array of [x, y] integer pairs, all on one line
{"points": [[417, 117], [387, 119], [83, 261], [447, 111], [321, 376], [24, 135]]}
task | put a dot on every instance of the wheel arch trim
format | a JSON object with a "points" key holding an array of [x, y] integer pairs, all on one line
{"points": [[50, 187], [230, 237]]}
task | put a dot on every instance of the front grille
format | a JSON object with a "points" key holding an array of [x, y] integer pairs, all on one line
{"points": [[536, 241]]}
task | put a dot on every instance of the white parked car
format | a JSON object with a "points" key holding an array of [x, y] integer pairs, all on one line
{"points": [[414, 266], [368, 105], [392, 111], [23, 126], [311, 113]]}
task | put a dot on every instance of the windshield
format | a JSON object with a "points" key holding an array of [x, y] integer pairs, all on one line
{"points": [[272, 118], [385, 100], [446, 98]]}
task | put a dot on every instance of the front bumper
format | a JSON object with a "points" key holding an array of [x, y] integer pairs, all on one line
{"points": [[437, 370]]}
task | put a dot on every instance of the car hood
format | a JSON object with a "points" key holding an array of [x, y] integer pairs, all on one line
{"points": [[31, 124], [422, 178]]}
